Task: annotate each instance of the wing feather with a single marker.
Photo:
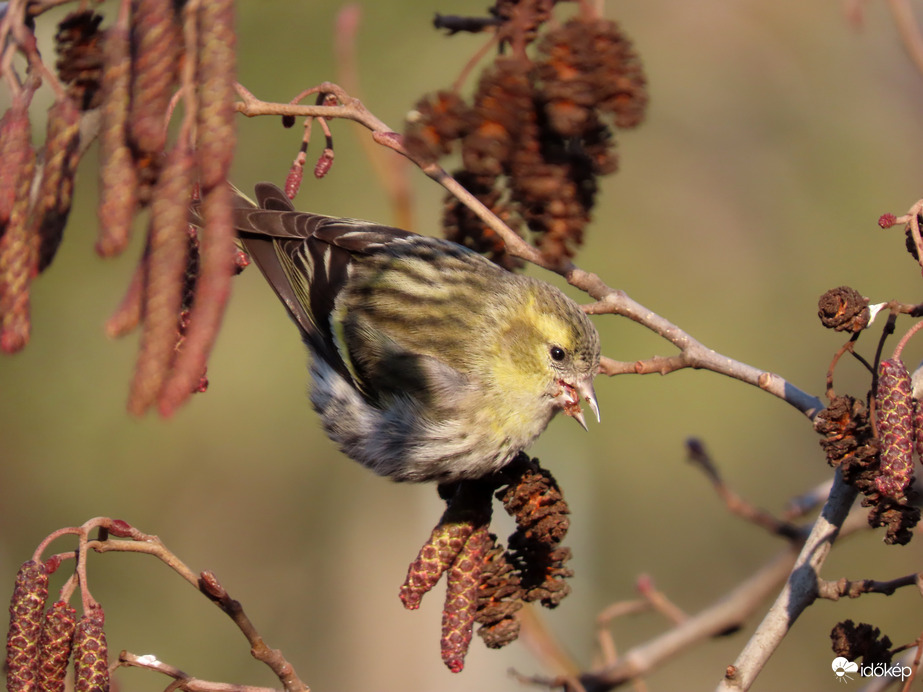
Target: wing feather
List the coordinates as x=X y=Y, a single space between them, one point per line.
x=307 y=260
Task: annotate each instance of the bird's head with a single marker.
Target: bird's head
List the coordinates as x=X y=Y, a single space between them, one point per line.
x=552 y=354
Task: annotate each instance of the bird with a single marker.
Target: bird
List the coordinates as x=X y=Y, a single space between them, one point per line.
x=429 y=362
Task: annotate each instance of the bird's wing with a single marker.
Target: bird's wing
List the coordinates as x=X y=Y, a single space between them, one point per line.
x=307 y=259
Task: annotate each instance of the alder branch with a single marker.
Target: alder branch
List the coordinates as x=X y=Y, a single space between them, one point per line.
x=909 y=30
x=183 y=680
x=692 y=354
x=799 y=592
x=723 y=616
x=726 y=614
x=206 y=583
x=834 y=590
x=807 y=502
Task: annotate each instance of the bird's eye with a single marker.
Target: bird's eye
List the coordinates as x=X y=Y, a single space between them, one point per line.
x=557 y=353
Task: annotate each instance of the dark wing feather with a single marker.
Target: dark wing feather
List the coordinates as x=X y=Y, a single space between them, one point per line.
x=306 y=258
x=268 y=196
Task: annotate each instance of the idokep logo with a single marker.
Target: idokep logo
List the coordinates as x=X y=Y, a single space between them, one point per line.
x=842 y=669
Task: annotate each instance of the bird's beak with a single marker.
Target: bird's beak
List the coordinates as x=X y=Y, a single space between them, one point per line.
x=588 y=394
x=571 y=396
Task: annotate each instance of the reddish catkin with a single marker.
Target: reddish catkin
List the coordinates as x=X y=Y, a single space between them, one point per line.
x=15 y=144
x=127 y=316
x=118 y=175
x=165 y=255
x=893 y=399
x=29 y=595
x=461 y=601
x=324 y=163
x=295 y=176
x=918 y=427
x=157 y=40
x=216 y=74
x=54 y=646
x=19 y=244
x=445 y=543
x=217 y=267
x=91 y=655
x=60 y=157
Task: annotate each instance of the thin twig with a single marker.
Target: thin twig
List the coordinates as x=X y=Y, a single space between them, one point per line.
x=807 y=502
x=698 y=455
x=909 y=30
x=834 y=590
x=725 y=615
x=604 y=637
x=183 y=681
x=659 y=600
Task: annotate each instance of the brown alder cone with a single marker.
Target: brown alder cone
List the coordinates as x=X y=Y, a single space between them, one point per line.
x=29 y=595
x=54 y=647
x=501 y=117
x=436 y=123
x=535 y=501
x=862 y=640
x=118 y=175
x=843 y=309
x=78 y=43
x=589 y=64
x=499 y=597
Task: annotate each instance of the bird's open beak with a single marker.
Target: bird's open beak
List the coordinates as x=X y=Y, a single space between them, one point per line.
x=571 y=396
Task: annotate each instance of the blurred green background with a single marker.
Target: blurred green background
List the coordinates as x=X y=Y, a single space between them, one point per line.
x=777 y=134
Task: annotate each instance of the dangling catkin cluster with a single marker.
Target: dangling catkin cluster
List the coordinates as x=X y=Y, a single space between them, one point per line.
x=141 y=168
x=42 y=642
x=22 y=640
x=132 y=71
x=539 y=129
x=485 y=583
x=851 y=446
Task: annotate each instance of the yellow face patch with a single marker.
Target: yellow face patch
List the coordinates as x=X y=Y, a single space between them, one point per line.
x=550 y=326
x=521 y=363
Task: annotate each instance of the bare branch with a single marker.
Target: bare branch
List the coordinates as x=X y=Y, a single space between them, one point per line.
x=206 y=582
x=609 y=301
x=834 y=590
x=693 y=354
x=807 y=502
x=800 y=591
x=728 y=613
x=909 y=30
x=183 y=680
